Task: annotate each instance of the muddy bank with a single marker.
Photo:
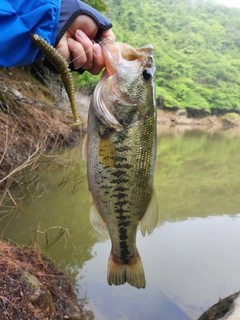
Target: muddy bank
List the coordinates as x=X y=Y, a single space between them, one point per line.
x=30 y=122
x=32 y=288
x=182 y=118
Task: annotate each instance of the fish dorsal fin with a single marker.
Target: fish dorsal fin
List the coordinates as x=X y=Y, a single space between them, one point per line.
x=149 y=221
x=96 y=220
x=85 y=148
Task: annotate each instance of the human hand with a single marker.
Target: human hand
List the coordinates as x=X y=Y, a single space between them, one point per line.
x=76 y=44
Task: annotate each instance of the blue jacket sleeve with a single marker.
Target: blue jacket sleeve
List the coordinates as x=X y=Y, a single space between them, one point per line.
x=18 y=20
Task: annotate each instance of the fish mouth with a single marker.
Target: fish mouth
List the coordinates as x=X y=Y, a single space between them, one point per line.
x=120 y=54
x=111 y=55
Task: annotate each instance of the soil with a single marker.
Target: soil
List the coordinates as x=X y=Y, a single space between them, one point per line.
x=30 y=123
x=32 y=288
x=166 y=117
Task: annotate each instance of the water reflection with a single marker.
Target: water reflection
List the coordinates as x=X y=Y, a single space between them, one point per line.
x=190 y=260
x=197 y=174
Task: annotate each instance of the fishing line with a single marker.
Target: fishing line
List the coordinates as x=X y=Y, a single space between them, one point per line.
x=82 y=54
x=87 y=50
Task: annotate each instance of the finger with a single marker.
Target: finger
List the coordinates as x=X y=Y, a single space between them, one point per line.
x=62 y=47
x=78 y=57
x=87 y=46
x=98 y=60
x=108 y=34
x=86 y=24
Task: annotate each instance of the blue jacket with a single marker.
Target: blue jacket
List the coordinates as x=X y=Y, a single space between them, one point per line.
x=18 y=20
x=48 y=18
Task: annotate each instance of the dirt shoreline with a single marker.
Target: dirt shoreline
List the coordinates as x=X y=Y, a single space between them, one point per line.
x=32 y=288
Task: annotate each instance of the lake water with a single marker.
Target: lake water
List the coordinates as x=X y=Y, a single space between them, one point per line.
x=191 y=259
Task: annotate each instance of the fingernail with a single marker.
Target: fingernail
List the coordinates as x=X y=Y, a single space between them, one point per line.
x=80 y=33
x=97 y=51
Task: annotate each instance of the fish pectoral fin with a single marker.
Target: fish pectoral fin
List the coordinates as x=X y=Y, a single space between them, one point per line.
x=85 y=148
x=120 y=273
x=96 y=220
x=149 y=220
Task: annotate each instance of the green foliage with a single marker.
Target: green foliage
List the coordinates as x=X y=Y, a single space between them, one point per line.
x=97 y=4
x=86 y=81
x=196 y=47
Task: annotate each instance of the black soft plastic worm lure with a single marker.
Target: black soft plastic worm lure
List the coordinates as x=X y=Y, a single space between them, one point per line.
x=61 y=66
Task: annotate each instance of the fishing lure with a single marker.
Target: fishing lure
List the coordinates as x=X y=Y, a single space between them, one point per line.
x=61 y=66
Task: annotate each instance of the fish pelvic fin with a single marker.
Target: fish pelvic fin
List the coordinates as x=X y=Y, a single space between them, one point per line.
x=85 y=148
x=96 y=220
x=149 y=220
x=120 y=273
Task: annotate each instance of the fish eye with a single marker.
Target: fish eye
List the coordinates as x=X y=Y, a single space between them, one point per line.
x=147 y=74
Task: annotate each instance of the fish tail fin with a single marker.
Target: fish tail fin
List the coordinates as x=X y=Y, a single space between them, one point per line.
x=120 y=273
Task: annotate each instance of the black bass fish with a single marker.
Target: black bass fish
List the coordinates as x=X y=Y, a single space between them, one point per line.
x=120 y=150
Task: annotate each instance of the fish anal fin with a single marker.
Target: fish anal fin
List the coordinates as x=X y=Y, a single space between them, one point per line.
x=96 y=220
x=85 y=148
x=106 y=151
x=149 y=220
x=120 y=273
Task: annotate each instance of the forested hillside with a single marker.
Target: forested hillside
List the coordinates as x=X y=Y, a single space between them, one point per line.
x=196 y=46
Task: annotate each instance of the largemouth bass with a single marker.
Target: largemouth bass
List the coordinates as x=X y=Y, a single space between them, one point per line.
x=120 y=150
